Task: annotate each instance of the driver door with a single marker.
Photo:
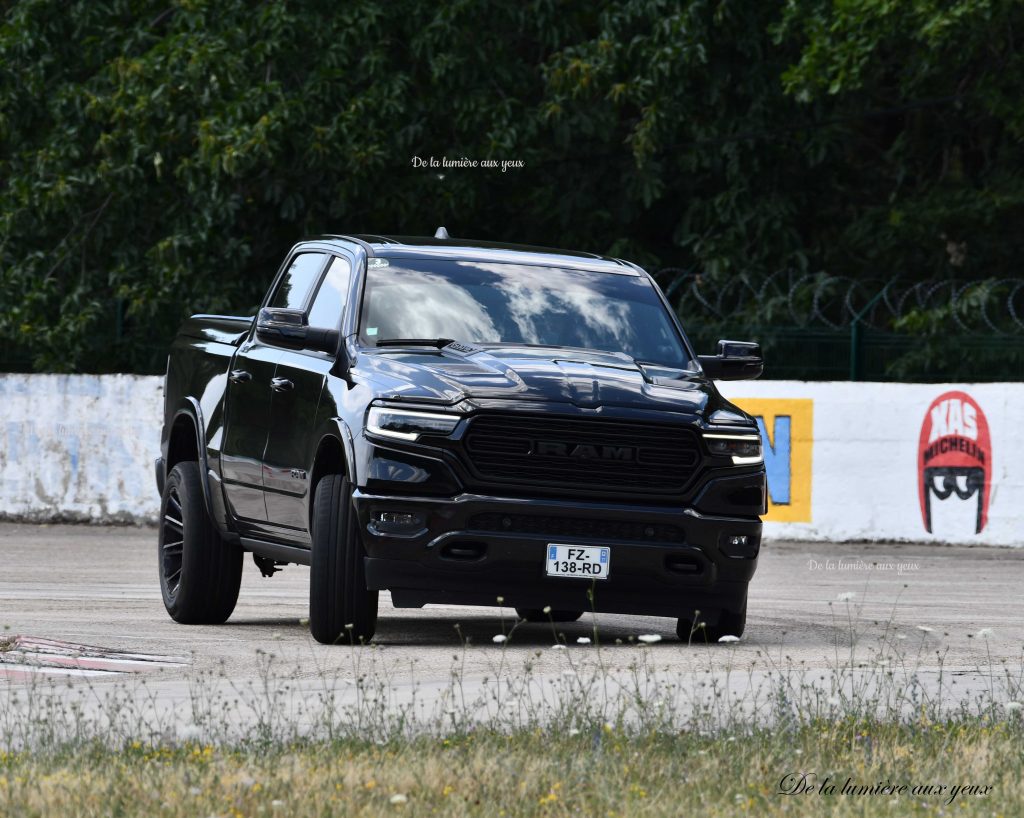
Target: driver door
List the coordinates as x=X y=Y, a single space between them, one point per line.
x=250 y=394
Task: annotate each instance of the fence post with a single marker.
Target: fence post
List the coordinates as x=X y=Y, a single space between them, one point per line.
x=855 y=334
x=855 y=349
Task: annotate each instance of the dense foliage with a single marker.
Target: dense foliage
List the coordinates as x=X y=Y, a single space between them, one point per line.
x=157 y=157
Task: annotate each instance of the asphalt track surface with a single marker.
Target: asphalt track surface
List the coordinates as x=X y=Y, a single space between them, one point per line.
x=97 y=586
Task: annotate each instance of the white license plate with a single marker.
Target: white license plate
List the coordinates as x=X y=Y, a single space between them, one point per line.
x=578 y=561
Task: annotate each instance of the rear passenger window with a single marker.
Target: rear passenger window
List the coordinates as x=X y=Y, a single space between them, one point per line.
x=332 y=296
x=299 y=279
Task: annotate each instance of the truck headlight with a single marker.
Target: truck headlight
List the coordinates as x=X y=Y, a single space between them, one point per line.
x=408 y=424
x=744 y=449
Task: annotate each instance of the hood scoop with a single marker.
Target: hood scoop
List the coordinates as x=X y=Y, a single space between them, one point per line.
x=460 y=369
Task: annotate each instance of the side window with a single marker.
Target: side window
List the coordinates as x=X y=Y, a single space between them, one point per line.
x=299 y=279
x=333 y=294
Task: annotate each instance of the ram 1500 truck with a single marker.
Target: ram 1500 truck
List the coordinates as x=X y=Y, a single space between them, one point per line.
x=459 y=422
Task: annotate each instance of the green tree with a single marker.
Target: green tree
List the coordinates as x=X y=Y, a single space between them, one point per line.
x=158 y=157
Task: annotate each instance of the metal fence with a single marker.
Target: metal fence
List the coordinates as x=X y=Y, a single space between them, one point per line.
x=810 y=326
x=822 y=327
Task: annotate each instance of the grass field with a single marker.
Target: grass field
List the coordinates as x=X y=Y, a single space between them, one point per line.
x=595 y=772
x=865 y=738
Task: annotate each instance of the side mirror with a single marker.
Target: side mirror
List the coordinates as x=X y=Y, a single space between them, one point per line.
x=290 y=328
x=735 y=361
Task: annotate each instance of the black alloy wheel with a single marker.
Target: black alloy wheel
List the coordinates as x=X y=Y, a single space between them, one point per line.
x=200 y=572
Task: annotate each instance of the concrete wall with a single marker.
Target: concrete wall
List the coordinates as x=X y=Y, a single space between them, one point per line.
x=79 y=447
x=845 y=460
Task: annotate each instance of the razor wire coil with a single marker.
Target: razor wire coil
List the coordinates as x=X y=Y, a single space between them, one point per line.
x=821 y=300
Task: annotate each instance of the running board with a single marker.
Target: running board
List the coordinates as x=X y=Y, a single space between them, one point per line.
x=276 y=551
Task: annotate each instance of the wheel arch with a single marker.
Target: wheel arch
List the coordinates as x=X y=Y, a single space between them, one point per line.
x=186 y=441
x=332 y=457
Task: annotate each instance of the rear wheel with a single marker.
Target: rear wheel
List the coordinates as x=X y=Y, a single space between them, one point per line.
x=538 y=615
x=199 y=572
x=341 y=609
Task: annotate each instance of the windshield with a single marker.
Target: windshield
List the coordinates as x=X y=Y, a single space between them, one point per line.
x=501 y=303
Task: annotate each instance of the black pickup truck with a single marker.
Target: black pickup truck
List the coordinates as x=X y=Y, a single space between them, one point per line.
x=459 y=422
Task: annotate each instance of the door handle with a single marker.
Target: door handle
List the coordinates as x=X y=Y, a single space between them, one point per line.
x=239 y=376
x=281 y=385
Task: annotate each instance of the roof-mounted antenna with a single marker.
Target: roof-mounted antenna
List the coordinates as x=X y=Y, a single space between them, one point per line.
x=441 y=233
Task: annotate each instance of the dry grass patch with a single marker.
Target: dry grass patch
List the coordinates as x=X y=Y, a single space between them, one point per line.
x=597 y=771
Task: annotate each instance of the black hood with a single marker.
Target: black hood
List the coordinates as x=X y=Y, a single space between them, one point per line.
x=583 y=378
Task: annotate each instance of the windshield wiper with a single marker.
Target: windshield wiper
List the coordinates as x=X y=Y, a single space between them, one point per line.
x=415 y=342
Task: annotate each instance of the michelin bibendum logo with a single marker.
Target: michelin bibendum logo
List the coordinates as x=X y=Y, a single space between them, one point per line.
x=954 y=466
x=787 y=438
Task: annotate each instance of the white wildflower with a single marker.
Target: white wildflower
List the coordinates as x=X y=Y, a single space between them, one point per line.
x=846 y=596
x=984 y=633
x=1013 y=707
x=573 y=731
x=925 y=629
x=727 y=639
x=190 y=733
x=547 y=609
x=649 y=638
x=558 y=647
x=497 y=639
x=398 y=798
x=582 y=640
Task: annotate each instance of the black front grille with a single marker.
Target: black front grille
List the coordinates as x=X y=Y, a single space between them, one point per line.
x=582 y=453
x=590 y=529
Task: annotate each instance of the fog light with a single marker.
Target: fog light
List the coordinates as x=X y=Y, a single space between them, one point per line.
x=396 y=522
x=739 y=545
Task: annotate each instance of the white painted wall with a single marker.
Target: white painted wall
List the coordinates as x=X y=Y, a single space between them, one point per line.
x=864 y=453
x=843 y=463
x=79 y=447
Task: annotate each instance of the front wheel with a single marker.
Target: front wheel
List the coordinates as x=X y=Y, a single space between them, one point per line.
x=199 y=572
x=341 y=609
x=730 y=623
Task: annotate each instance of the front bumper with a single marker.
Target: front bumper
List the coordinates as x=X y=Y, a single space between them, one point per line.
x=472 y=549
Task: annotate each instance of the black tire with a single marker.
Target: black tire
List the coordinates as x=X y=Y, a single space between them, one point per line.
x=199 y=572
x=341 y=609
x=730 y=623
x=538 y=615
